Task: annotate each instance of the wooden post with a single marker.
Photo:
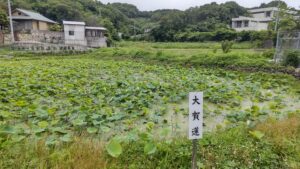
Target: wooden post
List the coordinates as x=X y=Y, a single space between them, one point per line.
x=194 y=155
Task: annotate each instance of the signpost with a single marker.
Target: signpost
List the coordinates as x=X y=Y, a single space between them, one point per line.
x=195 y=122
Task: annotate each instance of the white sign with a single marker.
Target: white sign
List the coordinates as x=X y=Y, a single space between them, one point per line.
x=195 y=115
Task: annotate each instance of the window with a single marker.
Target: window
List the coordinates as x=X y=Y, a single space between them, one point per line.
x=71 y=33
x=268 y=14
x=19 y=13
x=238 y=24
x=246 y=23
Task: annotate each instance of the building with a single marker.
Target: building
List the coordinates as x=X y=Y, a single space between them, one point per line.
x=77 y=33
x=31 y=28
x=25 y=20
x=259 y=20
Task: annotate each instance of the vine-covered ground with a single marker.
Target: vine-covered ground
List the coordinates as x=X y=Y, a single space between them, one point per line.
x=54 y=107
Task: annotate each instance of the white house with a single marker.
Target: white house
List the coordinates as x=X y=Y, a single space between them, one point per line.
x=259 y=20
x=77 y=33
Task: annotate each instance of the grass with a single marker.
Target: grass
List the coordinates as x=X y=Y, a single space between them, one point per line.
x=81 y=154
x=238 y=59
x=229 y=148
x=182 y=45
x=242 y=56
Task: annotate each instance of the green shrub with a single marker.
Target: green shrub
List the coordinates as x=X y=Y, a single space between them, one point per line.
x=159 y=53
x=258 y=43
x=261 y=35
x=292 y=58
x=268 y=53
x=194 y=36
x=215 y=50
x=55 y=27
x=222 y=34
x=244 y=36
x=141 y=54
x=226 y=46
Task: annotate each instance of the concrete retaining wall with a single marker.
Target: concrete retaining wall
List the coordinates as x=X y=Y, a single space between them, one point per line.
x=47 y=48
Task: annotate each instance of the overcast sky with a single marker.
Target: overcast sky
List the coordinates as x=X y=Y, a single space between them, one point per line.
x=185 y=4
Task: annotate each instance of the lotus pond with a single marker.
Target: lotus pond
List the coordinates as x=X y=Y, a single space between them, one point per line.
x=61 y=97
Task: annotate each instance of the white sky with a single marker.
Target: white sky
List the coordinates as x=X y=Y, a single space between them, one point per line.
x=185 y=4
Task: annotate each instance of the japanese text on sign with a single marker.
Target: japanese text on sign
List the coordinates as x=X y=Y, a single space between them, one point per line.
x=195 y=115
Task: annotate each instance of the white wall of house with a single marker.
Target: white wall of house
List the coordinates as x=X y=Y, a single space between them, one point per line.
x=75 y=35
x=259 y=20
x=258 y=15
x=249 y=25
x=266 y=14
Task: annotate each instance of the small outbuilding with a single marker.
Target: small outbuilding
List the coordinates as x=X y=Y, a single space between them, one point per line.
x=77 y=33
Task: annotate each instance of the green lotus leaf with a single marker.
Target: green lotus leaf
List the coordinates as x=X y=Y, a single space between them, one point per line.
x=149 y=148
x=114 y=148
x=66 y=138
x=92 y=130
x=43 y=124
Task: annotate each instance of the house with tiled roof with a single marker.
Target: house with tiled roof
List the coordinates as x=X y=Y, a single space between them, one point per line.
x=25 y=20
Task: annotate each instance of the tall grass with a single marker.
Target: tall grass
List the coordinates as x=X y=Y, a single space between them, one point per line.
x=82 y=154
x=237 y=59
x=226 y=148
x=182 y=45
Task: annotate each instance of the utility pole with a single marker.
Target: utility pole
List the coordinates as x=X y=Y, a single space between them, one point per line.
x=11 y=23
x=277 y=30
x=277 y=16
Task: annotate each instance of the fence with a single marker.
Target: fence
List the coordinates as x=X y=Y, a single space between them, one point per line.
x=286 y=41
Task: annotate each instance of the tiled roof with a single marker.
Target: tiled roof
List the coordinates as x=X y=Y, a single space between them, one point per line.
x=31 y=16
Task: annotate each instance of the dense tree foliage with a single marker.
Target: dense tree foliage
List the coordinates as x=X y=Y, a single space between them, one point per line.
x=207 y=22
x=273 y=4
x=206 y=18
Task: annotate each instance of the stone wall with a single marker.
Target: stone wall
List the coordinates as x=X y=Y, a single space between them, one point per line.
x=42 y=36
x=36 y=36
x=49 y=37
x=47 y=47
x=7 y=39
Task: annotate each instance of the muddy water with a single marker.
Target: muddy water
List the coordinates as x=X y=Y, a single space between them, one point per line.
x=215 y=115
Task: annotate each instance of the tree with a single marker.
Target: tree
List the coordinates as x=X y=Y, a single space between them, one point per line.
x=273 y=4
x=129 y=10
x=287 y=20
x=3 y=18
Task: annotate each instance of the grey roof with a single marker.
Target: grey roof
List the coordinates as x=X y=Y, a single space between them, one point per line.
x=31 y=16
x=95 y=28
x=263 y=9
x=73 y=23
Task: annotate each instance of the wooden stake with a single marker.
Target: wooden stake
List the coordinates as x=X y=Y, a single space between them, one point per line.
x=194 y=155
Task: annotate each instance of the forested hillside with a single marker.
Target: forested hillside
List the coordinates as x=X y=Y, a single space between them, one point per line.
x=161 y=25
